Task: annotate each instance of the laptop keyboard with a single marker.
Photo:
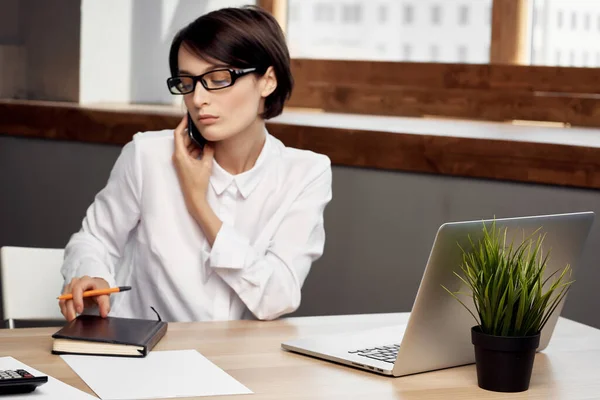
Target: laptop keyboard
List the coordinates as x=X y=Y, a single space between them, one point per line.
x=382 y=353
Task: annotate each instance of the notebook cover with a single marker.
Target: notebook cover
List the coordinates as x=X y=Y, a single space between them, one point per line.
x=127 y=331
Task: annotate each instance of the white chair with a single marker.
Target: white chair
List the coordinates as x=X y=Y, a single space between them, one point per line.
x=31 y=281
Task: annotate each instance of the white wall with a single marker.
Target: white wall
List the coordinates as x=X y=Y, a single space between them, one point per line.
x=105 y=64
x=125 y=45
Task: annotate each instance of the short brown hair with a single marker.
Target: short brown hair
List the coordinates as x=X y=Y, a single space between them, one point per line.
x=242 y=37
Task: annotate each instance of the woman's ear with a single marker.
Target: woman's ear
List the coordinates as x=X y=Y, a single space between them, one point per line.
x=268 y=82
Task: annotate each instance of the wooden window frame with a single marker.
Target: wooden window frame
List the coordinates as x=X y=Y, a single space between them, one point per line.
x=506 y=89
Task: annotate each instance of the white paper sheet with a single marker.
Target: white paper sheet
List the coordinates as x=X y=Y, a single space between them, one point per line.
x=161 y=374
x=51 y=390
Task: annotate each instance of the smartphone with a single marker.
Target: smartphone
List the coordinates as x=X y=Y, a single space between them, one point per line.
x=194 y=133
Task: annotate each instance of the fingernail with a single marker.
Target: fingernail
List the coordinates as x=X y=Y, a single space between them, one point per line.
x=79 y=310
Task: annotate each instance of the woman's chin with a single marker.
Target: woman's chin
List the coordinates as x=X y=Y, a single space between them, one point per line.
x=215 y=134
x=212 y=134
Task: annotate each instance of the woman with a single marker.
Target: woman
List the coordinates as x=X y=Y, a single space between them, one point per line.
x=225 y=232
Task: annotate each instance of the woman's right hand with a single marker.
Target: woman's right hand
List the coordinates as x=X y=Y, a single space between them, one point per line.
x=70 y=308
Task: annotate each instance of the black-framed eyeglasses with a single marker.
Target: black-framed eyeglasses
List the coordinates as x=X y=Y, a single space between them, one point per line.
x=211 y=80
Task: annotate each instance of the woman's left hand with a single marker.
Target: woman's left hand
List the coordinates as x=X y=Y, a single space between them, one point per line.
x=193 y=173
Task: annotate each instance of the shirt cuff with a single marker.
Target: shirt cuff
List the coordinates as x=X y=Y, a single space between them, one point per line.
x=230 y=249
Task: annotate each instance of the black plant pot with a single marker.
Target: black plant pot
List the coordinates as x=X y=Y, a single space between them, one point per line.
x=504 y=363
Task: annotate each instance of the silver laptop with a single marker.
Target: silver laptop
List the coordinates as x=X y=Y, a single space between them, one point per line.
x=437 y=334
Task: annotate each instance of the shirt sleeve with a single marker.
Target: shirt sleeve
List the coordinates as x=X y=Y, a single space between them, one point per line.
x=115 y=212
x=269 y=282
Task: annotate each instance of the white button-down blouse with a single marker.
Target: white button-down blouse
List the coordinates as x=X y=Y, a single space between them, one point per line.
x=138 y=232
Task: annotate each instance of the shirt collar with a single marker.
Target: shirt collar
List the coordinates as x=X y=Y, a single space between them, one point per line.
x=247 y=181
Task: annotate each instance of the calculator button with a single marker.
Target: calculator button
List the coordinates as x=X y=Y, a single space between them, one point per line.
x=24 y=373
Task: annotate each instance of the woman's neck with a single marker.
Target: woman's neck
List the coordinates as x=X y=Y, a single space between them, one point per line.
x=239 y=153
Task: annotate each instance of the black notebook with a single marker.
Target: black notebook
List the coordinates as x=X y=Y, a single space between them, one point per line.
x=110 y=336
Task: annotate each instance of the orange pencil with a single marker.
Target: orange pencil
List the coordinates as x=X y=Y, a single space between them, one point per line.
x=97 y=292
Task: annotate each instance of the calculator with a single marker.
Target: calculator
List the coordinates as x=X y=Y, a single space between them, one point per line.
x=19 y=381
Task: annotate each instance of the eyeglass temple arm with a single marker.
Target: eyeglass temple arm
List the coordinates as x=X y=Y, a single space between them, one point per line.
x=244 y=71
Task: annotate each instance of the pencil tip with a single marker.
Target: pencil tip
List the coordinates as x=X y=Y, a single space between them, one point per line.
x=124 y=288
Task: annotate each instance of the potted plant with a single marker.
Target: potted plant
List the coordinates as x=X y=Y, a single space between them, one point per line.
x=513 y=301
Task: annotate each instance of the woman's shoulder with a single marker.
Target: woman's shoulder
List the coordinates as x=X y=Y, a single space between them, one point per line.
x=148 y=137
x=301 y=158
x=149 y=143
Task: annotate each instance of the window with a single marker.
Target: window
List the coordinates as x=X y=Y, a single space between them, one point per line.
x=559 y=19
x=383 y=11
x=462 y=54
x=436 y=15
x=408 y=14
x=350 y=43
x=327 y=34
x=434 y=52
x=294 y=13
x=569 y=37
x=324 y=12
x=406 y=52
x=587 y=22
x=351 y=13
x=463 y=15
